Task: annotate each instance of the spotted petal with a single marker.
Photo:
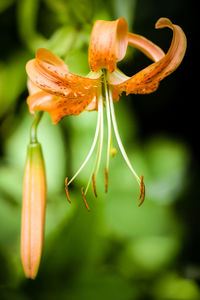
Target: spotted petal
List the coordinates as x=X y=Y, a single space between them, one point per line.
x=59 y=107
x=147 y=80
x=108 y=44
x=57 y=90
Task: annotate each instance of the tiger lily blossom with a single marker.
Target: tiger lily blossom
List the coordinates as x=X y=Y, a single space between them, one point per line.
x=61 y=93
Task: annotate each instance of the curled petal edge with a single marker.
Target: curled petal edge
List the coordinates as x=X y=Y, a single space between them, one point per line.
x=147 y=80
x=59 y=107
x=49 y=73
x=151 y=50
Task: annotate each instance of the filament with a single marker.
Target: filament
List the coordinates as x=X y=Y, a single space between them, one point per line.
x=101 y=136
x=100 y=143
x=92 y=147
x=121 y=147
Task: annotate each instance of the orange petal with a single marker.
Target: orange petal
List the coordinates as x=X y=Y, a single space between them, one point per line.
x=93 y=105
x=108 y=44
x=52 y=59
x=147 y=80
x=59 y=107
x=50 y=73
x=41 y=101
x=144 y=45
x=42 y=79
x=32 y=88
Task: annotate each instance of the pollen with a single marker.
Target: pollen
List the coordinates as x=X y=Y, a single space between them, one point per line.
x=66 y=190
x=106 y=179
x=84 y=199
x=94 y=185
x=142 y=191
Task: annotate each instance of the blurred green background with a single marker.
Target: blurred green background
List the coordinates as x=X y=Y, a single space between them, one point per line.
x=117 y=251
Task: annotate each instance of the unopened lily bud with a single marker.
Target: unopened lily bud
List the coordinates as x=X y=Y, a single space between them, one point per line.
x=33 y=210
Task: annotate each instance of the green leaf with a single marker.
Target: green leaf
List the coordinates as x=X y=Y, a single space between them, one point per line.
x=62 y=40
x=4 y=4
x=50 y=137
x=172 y=286
x=13 y=71
x=126 y=9
x=27 y=15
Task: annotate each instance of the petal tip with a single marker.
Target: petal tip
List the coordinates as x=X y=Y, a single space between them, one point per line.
x=41 y=52
x=163 y=22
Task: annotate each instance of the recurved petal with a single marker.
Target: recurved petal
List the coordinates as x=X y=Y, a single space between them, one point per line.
x=59 y=107
x=51 y=58
x=108 y=44
x=41 y=101
x=32 y=88
x=147 y=80
x=50 y=73
x=93 y=105
x=144 y=45
x=44 y=80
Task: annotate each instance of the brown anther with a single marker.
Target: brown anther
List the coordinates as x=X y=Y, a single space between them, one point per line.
x=142 y=191
x=94 y=185
x=106 y=179
x=66 y=190
x=84 y=199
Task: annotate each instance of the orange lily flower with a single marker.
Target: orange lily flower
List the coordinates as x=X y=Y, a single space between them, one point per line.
x=61 y=93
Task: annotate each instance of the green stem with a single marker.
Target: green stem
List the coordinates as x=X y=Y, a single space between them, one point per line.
x=33 y=131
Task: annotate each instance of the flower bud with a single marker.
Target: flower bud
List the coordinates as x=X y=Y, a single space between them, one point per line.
x=33 y=210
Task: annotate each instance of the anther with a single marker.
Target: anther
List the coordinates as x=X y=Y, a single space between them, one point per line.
x=84 y=199
x=106 y=179
x=66 y=190
x=142 y=191
x=94 y=185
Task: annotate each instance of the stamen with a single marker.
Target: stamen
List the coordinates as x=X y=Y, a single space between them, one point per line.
x=92 y=147
x=106 y=180
x=142 y=191
x=66 y=190
x=100 y=147
x=84 y=199
x=94 y=185
x=121 y=147
x=100 y=144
